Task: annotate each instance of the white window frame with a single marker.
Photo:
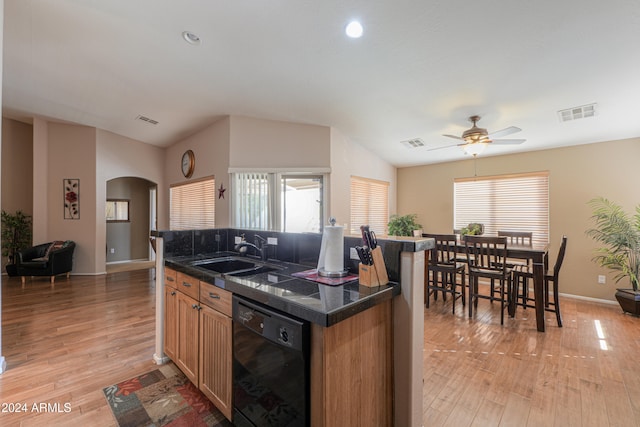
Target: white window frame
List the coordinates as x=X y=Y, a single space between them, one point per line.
x=274 y=223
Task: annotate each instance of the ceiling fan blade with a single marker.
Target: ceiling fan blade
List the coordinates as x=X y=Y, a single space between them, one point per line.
x=453 y=136
x=444 y=146
x=508 y=141
x=504 y=132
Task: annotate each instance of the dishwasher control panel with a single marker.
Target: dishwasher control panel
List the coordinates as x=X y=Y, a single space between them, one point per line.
x=270 y=324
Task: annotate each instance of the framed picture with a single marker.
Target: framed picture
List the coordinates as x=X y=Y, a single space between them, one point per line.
x=71 y=192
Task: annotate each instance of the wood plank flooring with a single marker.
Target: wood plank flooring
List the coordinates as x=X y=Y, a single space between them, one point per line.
x=478 y=373
x=65 y=344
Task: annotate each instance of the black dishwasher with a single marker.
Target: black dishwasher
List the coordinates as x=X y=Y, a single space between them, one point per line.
x=270 y=367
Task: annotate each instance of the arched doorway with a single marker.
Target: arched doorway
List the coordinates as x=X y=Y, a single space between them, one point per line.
x=127 y=232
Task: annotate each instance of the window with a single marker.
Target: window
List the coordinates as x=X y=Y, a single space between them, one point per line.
x=283 y=201
x=117 y=210
x=192 y=205
x=504 y=203
x=369 y=205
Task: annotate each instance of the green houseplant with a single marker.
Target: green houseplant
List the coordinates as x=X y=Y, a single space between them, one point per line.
x=16 y=235
x=403 y=225
x=619 y=233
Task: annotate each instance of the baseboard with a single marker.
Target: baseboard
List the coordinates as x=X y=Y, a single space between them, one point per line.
x=596 y=300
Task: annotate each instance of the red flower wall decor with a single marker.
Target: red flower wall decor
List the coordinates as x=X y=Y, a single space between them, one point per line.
x=71 y=198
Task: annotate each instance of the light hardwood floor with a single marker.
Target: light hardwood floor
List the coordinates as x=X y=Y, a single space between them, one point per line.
x=478 y=373
x=64 y=345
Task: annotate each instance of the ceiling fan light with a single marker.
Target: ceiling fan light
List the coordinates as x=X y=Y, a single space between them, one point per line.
x=475 y=148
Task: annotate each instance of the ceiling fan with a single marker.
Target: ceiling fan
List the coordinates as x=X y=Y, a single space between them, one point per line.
x=476 y=139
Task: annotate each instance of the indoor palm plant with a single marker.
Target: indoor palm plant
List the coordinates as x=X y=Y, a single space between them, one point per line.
x=619 y=233
x=403 y=225
x=16 y=235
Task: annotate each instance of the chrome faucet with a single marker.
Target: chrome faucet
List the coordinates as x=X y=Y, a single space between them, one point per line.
x=259 y=250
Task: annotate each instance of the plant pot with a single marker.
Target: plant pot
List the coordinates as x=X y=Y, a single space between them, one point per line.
x=629 y=301
x=12 y=270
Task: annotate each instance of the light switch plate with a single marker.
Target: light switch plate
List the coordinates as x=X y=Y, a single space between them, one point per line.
x=237 y=240
x=272 y=241
x=353 y=254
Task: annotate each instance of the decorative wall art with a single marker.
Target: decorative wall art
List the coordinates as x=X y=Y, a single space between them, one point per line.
x=71 y=198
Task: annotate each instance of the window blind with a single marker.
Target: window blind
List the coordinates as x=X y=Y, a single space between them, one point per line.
x=369 y=205
x=504 y=203
x=254 y=200
x=192 y=205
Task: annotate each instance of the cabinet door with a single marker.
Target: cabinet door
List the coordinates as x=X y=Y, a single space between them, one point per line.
x=216 y=358
x=188 y=319
x=170 y=322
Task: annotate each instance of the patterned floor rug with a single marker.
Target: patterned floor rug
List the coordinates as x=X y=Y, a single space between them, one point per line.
x=163 y=397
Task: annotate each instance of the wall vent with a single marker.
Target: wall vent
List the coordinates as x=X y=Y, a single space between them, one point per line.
x=576 y=113
x=413 y=143
x=147 y=119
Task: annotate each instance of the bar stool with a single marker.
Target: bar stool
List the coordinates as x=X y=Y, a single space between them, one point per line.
x=522 y=278
x=486 y=258
x=443 y=270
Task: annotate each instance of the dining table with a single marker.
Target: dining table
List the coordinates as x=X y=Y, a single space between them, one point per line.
x=534 y=254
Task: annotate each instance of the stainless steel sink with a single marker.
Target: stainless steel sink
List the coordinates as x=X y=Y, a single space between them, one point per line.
x=235 y=266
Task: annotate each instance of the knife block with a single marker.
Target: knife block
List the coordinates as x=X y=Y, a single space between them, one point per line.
x=376 y=274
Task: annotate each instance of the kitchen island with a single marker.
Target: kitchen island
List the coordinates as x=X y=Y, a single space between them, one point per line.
x=366 y=345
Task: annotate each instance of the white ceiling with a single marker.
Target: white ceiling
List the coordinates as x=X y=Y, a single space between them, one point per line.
x=421 y=68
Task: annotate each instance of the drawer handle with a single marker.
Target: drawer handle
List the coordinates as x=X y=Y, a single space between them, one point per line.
x=214 y=296
x=170 y=279
x=186 y=284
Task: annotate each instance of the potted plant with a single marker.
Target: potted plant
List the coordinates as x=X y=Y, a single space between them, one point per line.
x=473 y=229
x=619 y=232
x=403 y=225
x=16 y=235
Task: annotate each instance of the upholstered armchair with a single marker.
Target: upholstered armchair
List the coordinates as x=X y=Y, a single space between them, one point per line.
x=47 y=259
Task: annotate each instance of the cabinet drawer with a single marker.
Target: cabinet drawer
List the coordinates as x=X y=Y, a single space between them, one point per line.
x=170 y=277
x=216 y=298
x=188 y=285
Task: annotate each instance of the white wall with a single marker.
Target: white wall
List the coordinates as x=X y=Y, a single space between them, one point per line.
x=118 y=156
x=211 y=149
x=348 y=158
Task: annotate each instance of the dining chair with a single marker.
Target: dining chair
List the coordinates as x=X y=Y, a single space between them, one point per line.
x=519 y=238
x=486 y=259
x=444 y=273
x=521 y=278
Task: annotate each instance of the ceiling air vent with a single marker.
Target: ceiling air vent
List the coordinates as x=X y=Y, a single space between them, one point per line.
x=576 y=113
x=413 y=143
x=147 y=119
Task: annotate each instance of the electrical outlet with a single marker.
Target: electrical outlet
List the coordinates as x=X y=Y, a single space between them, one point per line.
x=217 y=238
x=237 y=240
x=602 y=279
x=272 y=241
x=353 y=254
x=112 y=250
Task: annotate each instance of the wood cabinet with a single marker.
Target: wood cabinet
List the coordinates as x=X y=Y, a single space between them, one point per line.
x=170 y=314
x=216 y=358
x=187 y=357
x=198 y=335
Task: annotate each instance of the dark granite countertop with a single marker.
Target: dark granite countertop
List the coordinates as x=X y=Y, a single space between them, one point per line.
x=322 y=304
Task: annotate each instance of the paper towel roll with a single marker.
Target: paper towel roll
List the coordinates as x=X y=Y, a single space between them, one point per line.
x=332 y=249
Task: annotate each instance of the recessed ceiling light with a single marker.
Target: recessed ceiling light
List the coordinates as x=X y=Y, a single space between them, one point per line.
x=354 y=29
x=190 y=37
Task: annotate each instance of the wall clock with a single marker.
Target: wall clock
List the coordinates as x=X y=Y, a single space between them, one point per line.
x=188 y=163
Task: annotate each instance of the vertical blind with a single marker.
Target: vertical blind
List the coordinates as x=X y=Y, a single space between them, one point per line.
x=254 y=200
x=192 y=205
x=504 y=203
x=369 y=205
